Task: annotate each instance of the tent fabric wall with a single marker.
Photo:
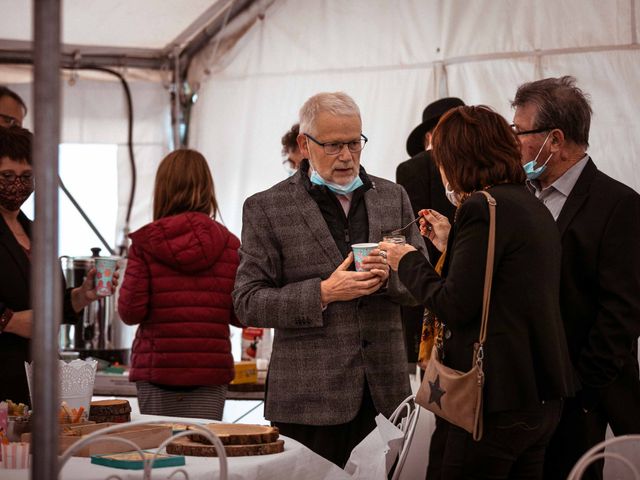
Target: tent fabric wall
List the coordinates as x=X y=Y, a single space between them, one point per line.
x=395 y=57
x=95 y=111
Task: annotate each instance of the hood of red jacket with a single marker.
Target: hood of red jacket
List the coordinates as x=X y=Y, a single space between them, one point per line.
x=188 y=242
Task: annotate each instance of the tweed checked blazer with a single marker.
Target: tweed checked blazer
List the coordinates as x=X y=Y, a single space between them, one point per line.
x=320 y=359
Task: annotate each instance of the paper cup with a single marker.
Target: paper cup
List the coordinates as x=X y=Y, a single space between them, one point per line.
x=361 y=250
x=395 y=238
x=105 y=266
x=15 y=455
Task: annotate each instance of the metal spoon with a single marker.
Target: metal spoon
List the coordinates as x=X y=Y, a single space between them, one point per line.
x=400 y=230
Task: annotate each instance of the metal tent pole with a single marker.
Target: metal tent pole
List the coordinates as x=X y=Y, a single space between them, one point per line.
x=46 y=294
x=176 y=103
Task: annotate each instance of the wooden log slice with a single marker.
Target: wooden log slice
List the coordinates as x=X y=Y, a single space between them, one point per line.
x=239 y=434
x=101 y=408
x=110 y=418
x=184 y=446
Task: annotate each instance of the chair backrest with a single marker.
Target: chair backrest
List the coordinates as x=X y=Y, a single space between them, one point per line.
x=610 y=450
x=405 y=417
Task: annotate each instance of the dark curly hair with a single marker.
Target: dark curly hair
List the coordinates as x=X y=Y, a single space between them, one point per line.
x=15 y=143
x=289 y=141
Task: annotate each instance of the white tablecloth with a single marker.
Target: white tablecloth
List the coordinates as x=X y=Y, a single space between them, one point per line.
x=296 y=462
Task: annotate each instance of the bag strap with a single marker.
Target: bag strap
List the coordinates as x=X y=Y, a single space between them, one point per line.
x=488 y=275
x=488 y=278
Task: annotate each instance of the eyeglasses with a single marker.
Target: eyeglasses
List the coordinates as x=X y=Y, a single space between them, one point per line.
x=8 y=121
x=8 y=176
x=529 y=132
x=334 y=148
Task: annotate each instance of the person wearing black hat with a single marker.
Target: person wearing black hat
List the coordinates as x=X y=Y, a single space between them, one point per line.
x=418 y=175
x=421 y=179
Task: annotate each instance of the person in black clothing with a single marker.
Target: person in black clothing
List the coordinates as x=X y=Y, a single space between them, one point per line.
x=599 y=223
x=526 y=361
x=420 y=178
x=16 y=316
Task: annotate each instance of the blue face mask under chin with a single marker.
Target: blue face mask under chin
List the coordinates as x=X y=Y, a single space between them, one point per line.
x=530 y=167
x=354 y=184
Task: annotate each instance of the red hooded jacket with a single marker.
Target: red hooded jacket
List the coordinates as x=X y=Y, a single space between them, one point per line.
x=177 y=286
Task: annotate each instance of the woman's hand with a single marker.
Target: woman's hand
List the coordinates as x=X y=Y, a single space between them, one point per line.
x=86 y=293
x=435 y=227
x=375 y=263
x=393 y=252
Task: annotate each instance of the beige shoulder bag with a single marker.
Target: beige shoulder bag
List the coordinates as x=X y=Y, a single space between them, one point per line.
x=453 y=395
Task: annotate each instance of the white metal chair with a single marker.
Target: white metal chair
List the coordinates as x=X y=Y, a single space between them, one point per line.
x=148 y=463
x=604 y=451
x=405 y=417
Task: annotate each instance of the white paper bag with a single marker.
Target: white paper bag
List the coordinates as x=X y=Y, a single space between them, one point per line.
x=374 y=456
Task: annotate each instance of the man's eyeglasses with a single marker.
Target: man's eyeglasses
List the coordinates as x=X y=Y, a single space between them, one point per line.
x=334 y=148
x=8 y=121
x=8 y=176
x=529 y=132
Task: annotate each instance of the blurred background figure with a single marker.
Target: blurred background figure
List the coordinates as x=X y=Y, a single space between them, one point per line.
x=12 y=108
x=177 y=287
x=420 y=178
x=291 y=155
x=419 y=175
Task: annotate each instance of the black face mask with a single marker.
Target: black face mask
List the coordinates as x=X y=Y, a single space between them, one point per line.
x=13 y=194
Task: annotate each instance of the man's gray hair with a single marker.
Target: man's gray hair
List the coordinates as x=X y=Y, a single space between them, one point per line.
x=560 y=104
x=335 y=103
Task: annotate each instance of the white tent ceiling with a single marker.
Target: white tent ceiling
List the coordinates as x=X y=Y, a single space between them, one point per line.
x=115 y=24
x=392 y=56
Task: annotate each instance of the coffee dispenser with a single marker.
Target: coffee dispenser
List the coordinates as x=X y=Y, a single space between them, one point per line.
x=99 y=333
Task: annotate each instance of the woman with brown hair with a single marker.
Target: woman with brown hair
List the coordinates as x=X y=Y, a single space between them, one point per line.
x=526 y=364
x=177 y=287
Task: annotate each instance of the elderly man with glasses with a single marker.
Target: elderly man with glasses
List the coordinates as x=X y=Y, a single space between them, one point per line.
x=599 y=222
x=12 y=108
x=338 y=354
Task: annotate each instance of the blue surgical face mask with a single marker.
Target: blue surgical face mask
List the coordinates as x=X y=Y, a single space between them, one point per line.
x=316 y=179
x=530 y=167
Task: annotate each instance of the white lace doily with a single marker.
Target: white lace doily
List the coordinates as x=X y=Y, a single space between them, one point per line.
x=76 y=381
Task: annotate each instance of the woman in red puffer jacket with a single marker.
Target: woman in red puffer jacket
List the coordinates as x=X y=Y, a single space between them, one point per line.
x=177 y=288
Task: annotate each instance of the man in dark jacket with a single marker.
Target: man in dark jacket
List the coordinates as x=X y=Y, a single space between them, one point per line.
x=599 y=222
x=421 y=179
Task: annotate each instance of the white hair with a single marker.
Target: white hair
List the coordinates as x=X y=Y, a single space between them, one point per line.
x=335 y=103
